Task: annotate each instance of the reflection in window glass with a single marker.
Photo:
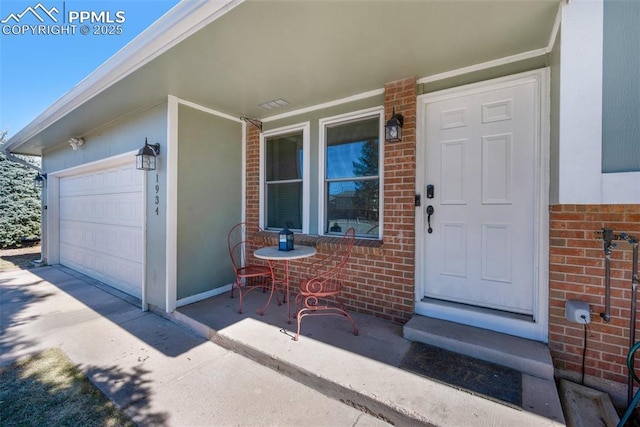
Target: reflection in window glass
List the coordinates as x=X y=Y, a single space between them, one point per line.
x=340 y=159
x=352 y=190
x=353 y=204
x=283 y=189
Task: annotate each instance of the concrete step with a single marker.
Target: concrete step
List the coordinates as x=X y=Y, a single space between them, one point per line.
x=586 y=407
x=377 y=388
x=529 y=357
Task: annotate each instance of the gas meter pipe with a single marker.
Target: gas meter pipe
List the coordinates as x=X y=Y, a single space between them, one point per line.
x=634 y=296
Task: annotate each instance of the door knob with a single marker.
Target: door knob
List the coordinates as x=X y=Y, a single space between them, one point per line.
x=430 y=212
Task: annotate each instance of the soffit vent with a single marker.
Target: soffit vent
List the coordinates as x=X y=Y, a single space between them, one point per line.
x=276 y=103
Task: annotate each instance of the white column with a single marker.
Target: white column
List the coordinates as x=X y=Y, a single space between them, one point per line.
x=580 y=146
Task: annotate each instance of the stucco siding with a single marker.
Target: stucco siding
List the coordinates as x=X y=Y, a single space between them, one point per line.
x=209 y=199
x=120 y=137
x=116 y=138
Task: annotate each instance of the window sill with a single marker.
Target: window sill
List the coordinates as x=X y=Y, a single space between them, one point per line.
x=322 y=241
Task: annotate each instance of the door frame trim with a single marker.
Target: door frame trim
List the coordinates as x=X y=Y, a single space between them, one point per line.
x=537 y=328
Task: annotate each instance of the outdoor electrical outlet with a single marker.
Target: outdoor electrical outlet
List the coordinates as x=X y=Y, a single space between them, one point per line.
x=577 y=312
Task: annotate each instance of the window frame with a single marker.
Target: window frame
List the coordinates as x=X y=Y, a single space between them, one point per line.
x=306 y=163
x=322 y=180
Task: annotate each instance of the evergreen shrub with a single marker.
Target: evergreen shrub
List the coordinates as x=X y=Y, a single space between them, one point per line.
x=20 y=207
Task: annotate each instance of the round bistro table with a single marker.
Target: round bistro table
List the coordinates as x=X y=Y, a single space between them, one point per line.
x=272 y=254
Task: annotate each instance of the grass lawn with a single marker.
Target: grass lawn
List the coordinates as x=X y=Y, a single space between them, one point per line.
x=47 y=389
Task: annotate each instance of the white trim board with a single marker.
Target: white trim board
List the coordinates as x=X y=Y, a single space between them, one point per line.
x=483 y=66
x=207 y=110
x=102 y=164
x=305 y=127
x=171 y=249
x=203 y=295
x=621 y=188
x=243 y=197
x=348 y=99
x=343 y=118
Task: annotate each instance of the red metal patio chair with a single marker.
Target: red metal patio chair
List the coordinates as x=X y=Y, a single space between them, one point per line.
x=323 y=282
x=248 y=276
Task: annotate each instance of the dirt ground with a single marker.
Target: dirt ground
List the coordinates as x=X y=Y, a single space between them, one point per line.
x=21 y=258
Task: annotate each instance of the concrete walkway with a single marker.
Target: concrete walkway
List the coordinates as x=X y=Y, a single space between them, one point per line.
x=159 y=372
x=166 y=372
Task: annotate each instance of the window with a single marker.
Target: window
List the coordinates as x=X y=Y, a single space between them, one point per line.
x=283 y=191
x=351 y=181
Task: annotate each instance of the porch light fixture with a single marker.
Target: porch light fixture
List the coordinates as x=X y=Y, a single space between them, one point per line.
x=146 y=157
x=285 y=240
x=39 y=180
x=393 y=129
x=76 y=142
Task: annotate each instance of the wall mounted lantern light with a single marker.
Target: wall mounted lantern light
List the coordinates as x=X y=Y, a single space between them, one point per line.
x=393 y=129
x=146 y=157
x=39 y=180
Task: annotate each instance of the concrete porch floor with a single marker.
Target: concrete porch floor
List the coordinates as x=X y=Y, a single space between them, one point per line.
x=363 y=371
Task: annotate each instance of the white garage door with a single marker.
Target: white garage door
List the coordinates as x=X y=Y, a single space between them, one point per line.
x=101 y=224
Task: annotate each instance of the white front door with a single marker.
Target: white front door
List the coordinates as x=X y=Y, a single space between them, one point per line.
x=479 y=231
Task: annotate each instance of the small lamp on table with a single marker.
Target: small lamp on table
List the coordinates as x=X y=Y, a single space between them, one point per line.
x=285 y=240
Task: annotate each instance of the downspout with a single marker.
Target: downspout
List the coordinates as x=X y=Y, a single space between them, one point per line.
x=15 y=159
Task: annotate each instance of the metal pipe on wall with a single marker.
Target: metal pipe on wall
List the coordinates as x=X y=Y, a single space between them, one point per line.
x=634 y=304
x=608 y=245
x=608 y=237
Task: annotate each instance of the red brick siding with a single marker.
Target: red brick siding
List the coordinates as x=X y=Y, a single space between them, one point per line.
x=382 y=274
x=576 y=272
x=253 y=175
x=391 y=289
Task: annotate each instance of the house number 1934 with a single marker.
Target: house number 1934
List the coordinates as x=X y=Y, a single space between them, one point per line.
x=157 y=199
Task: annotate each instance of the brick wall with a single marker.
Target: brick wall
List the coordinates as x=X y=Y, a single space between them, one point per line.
x=382 y=273
x=252 y=213
x=393 y=287
x=576 y=272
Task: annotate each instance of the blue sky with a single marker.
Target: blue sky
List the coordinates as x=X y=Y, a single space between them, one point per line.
x=37 y=69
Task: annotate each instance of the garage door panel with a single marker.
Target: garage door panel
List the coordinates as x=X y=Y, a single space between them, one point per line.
x=115 y=209
x=112 y=241
x=119 y=273
x=101 y=226
x=119 y=180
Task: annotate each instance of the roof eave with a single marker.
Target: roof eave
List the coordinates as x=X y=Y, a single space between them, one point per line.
x=183 y=20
